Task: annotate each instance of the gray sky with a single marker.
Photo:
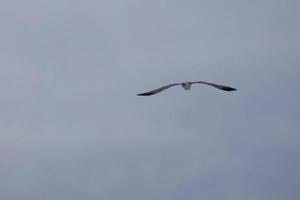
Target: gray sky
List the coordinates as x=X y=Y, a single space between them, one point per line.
x=71 y=126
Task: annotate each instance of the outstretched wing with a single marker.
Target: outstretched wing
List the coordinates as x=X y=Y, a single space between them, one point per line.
x=221 y=87
x=158 y=90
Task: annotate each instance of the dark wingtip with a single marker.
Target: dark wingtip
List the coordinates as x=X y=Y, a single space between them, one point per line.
x=229 y=89
x=225 y=88
x=145 y=94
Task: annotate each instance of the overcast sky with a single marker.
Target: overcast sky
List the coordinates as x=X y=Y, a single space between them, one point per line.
x=72 y=127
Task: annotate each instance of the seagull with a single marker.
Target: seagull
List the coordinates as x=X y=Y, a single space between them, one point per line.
x=187 y=86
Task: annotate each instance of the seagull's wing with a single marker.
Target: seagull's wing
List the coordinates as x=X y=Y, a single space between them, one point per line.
x=221 y=87
x=158 y=90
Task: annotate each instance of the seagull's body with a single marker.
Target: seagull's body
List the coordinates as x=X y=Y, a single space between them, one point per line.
x=187 y=86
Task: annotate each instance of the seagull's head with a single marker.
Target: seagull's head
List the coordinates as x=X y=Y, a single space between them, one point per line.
x=186 y=85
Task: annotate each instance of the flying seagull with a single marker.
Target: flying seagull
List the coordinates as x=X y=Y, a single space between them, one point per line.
x=187 y=86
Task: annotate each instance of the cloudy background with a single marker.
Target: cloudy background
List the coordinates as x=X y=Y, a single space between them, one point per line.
x=72 y=127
